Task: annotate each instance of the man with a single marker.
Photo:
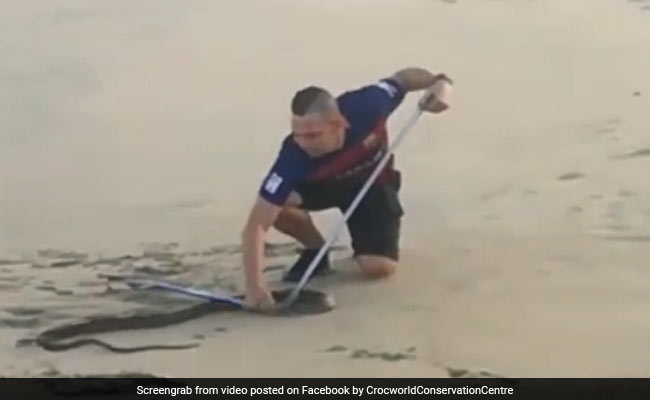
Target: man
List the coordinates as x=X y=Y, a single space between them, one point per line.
x=334 y=145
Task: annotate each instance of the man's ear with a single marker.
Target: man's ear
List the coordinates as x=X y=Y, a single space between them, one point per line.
x=342 y=121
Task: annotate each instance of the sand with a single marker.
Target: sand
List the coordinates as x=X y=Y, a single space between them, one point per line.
x=126 y=132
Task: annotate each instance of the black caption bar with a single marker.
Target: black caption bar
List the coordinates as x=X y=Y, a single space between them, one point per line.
x=166 y=388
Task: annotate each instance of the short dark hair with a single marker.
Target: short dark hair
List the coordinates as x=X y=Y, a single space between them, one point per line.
x=308 y=99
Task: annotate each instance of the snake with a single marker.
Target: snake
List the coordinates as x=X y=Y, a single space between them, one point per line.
x=309 y=302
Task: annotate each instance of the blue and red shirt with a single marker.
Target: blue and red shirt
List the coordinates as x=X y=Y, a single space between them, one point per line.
x=366 y=141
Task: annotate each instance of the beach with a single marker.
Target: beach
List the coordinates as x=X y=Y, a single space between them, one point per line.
x=134 y=136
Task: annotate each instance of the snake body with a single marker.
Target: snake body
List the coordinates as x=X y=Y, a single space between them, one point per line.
x=58 y=338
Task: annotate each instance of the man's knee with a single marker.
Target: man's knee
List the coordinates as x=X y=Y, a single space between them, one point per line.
x=376 y=267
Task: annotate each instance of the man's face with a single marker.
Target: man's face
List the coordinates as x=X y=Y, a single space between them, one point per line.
x=319 y=134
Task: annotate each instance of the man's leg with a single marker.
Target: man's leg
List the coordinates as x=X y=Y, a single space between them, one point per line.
x=376 y=267
x=376 y=249
x=298 y=224
x=375 y=230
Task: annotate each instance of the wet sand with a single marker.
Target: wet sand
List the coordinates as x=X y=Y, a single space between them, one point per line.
x=125 y=148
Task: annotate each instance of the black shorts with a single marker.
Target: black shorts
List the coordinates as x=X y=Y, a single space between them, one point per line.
x=374 y=226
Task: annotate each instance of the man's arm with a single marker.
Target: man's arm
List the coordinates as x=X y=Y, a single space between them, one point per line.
x=275 y=190
x=415 y=78
x=381 y=99
x=261 y=218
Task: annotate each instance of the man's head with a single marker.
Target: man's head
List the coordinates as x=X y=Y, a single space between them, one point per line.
x=317 y=124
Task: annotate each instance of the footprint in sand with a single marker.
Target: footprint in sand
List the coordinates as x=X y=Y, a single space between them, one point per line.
x=91 y=284
x=50 y=288
x=14 y=281
x=367 y=354
x=606 y=130
x=158 y=270
x=575 y=210
x=23 y=311
x=64 y=254
x=46 y=264
x=111 y=261
x=621 y=216
x=607 y=127
x=626 y=193
x=10 y=278
x=383 y=355
x=274 y=267
x=628 y=238
x=465 y=373
x=63 y=264
x=19 y=322
x=336 y=349
x=21 y=317
x=11 y=262
x=644 y=152
x=571 y=176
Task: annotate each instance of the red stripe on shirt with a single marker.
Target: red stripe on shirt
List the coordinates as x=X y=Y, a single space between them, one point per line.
x=354 y=155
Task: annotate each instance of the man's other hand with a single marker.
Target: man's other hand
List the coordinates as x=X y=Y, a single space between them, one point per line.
x=437 y=97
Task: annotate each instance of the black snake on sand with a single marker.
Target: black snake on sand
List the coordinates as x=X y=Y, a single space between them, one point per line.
x=56 y=339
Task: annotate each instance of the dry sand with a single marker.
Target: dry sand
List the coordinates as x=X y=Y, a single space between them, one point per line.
x=126 y=130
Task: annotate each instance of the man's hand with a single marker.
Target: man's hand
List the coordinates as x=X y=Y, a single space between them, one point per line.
x=259 y=298
x=437 y=97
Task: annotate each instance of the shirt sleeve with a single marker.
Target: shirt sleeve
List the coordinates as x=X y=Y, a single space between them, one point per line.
x=288 y=169
x=385 y=96
x=376 y=101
